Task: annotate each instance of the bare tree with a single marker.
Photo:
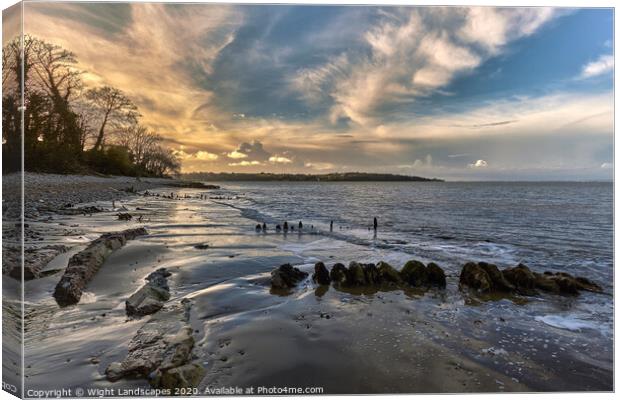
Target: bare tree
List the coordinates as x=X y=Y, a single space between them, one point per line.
x=114 y=108
x=140 y=142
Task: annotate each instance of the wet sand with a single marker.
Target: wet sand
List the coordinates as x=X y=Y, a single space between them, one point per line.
x=438 y=341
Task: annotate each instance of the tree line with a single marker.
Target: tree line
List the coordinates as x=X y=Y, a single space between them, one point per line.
x=68 y=127
x=332 y=177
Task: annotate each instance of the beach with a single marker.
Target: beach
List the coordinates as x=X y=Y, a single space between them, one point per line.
x=342 y=341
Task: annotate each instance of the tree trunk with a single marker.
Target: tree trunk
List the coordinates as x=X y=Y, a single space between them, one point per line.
x=99 y=141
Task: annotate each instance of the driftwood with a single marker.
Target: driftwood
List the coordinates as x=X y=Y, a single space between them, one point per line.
x=85 y=264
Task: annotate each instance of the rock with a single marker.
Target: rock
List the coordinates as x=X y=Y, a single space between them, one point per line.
x=522 y=278
x=542 y=282
x=35 y=260
x=436 y=275
x=565 y=284
x=388 y=274
x=371 y=273
x=338 y=274
x=85 y=264
x=498 y=281
x=586 y=284
x=414 y=273
x=68 y=209
x=286 y=277
x=151 y=297
x=321 y=275
x=474 y=277
x=356 y=276
x=161 y=351
x=186 y=376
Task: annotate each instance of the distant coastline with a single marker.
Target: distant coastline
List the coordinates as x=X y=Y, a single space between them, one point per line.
x=333 y=177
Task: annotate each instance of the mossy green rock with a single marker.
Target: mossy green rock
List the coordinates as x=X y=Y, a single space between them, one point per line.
x=474 y=277
x=356 y=276
x=498 y=281
x=436 y=276
x=371 y=274
x=414 y=273
x=522 y=278
x=338 y=274
x=321 y=275
x=388 y=274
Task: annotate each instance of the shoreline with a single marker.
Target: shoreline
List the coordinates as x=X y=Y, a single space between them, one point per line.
x=238 y=324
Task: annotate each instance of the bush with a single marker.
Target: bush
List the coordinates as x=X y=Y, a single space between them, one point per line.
x=113 y=160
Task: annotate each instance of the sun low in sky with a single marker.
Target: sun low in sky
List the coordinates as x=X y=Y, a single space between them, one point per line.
x=449 y=92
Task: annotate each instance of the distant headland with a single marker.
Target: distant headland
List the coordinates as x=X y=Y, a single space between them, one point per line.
x=333 y=177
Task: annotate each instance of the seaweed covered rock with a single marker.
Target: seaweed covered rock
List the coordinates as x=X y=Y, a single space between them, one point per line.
x=321 y=275
x=436 y=275
x=498 y=281
x=564 y=283
x=356 y=276
x=286 y=276
x=588 y=285
x=388 y=274
x=475 y=277
x=522 y=278
x=338 y=274
x=371 y=274
x=414 y=273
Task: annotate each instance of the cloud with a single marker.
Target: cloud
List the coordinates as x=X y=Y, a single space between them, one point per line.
x=409 y=54
x=253 y=151
x=489 y=124
x=154 y=53
x=479 y=164
x=206 y=156
x=279 y=160
x=603 y=65
x=236 y=154
x=245 y=163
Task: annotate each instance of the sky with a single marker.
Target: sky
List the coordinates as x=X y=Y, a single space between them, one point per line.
x=448 y=92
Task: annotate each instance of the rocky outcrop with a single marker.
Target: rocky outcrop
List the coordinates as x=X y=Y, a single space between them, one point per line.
x=85 y=264
x=377 y=277
x=151 y=297
x=475 y=277
x=286 y=277
x=321 y=275
x=388 y=274
x=436 y=275
x=415 y=273
x=35 y=260
x=484 y=278
x=161 y=352
x=522 y=279
x=338 y=274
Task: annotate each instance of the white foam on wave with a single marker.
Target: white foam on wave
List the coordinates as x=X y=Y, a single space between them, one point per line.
x=321 y=244
x=567 y=322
